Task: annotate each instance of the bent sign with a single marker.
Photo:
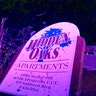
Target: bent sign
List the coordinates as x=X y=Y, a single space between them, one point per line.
x=44 y=65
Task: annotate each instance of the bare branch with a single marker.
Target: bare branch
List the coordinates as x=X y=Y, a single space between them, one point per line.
x=41 y=14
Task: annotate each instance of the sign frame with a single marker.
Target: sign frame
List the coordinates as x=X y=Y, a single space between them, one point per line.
x=76 y=79
x=74 y=57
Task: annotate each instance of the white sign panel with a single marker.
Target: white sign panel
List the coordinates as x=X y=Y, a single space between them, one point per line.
x=44 y=66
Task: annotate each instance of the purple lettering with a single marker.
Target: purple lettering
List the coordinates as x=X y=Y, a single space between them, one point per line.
x=57 y=40
x=47 y=54
x=32 y=44
x=34 y=53
x=55 y=52
x=41 y=54
x=51 y=40
x=64 y=37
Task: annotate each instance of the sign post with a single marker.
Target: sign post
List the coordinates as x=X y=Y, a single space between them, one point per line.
x=44 y=66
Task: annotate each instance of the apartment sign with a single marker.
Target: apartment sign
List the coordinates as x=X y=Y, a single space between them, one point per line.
x=44 y=66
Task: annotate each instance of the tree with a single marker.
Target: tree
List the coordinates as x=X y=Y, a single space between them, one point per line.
x=2 y=31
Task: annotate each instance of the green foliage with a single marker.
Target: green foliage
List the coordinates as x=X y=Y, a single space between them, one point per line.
x=8 y=4
x=29 y=6
x=80 y=12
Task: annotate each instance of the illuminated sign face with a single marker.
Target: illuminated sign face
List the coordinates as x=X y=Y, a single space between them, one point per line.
x=44 y=66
